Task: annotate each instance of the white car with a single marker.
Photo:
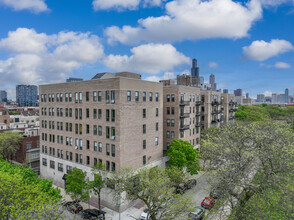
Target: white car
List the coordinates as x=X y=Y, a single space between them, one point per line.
x=144 y=214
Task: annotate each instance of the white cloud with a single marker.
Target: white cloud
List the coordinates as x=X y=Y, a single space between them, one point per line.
x=274 y=3
x=152 y=3
x=147 y=58
x=115 y=4
x=190 y=20
x=213 y=64
x=267 y=93
x=282 y=65
x=38 y=58
x=261 y=50
x=165 y=76
x=36 y=6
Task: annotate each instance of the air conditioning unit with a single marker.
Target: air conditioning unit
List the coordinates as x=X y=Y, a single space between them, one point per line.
x=76 y=147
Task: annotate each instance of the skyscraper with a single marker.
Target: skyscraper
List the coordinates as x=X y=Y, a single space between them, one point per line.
x=286 y=95
x=3 y=96
x=27 y=95
x=194 y=69
x=238 y=92
x=260 y=98
x=212 y=82
x=274 y=98
x=225 y=91
x=247 y=95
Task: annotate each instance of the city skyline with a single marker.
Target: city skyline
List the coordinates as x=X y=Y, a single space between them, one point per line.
x=48 y=42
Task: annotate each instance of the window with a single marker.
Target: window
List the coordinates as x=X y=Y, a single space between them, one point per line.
x=87 y=113
x=172 y=110
x=67 y=155
x=144 y=129
x=100 y=147
x=88 y=160
x=80 y=114
x=144 y=159
x=182 y=134
x=70 y=112
x=144 y=112
x=167 y=134
x=168 y=98
x=156 y=141
x=144 y=96
x=99 y=96
x=95 y=161
x=137 y=96
x=28 y=145
x=107 y=165
x=172 y=134
x=113 y=150
x=87 y=96
x=99 y=113
x=167 y=110
x=44 y=162
x=80 y=97
x=150 y=96
x=112 y=97
x=156 y=112
x=81 y=144
x=129 y=98
x=88 y=145
x=167 y=122
x=107 y=149
x=173 y=123
x=94 y=113
x=81 y=158
x=52 y=164
x=95 y=146
x=156 y=97
x=144 y=144
x=95 y=96
x=60 y=167
x=107 y=114
x=107 y=96
x=81 y=129
x=113 y=115
x=70 y=156
x=112 y=166
x=173 y=97
x=70 y=97
x=95 y=129
x=76 y=97
x=112 y=133
x=68 y=169
x=100 y=130
x=107 y=132
x=77 y=158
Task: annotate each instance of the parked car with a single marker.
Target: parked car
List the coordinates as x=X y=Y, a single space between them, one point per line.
x=198 y=213
x=144 y=214
x=71 y=202
x=93 y=214
x=190 y=183
x=75 y=208
x=180 y=189
x=208 y=202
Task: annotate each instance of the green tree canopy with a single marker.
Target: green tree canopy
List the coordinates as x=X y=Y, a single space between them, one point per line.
x=9 y=144
x=76 y=184
x=182 y=154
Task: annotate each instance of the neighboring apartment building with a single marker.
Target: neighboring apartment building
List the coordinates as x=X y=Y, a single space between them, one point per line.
x=4 y=116
x=27 y=95
x=116 y=121
x=181 y=114
x=29 y=151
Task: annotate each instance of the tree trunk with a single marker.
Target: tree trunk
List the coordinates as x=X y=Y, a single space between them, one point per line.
x=99 y=200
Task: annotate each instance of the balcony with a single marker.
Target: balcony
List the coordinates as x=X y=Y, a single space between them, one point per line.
x=213 y=121
x=184 y=127
x=183 y=103
x=197 y=124
x=198 y=113
x=215 y=102
x=184 y=115
x=198 y=103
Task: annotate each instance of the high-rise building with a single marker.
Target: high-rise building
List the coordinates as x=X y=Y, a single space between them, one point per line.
x=260 y=98
x=286 y=95
x=201 y=80
x=238 y=92
x=247 y=95
x=194 y=69
x=27 y=95
x=281 y=98
x=212 y=82
x=274 y=98
x=225 y=91
x=3 y=96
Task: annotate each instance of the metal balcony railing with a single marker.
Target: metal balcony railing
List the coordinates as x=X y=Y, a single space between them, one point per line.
x=184 y=115
x=184 y=127
x=184 y=103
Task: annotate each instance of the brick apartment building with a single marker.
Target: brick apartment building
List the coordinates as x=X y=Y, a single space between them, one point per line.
x=121 y=121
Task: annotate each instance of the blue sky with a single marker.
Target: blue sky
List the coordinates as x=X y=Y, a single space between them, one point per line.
x=246 y=44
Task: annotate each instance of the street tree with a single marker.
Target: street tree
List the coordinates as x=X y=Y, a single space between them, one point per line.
x=76 y=184
x=9 y=144
x=99 y=181
x=249 y=161
x=183 y=155
x=156 y=190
